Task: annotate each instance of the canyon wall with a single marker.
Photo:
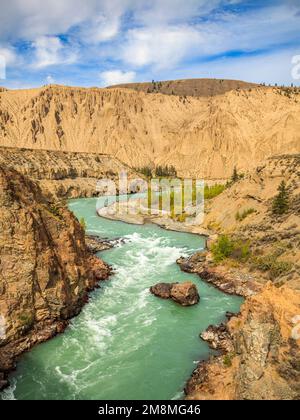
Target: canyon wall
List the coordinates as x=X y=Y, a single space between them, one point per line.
x=65 y=175
x=46 y=270
x=204 y=136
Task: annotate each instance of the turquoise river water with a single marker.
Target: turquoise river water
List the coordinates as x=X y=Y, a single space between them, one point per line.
x=126 y=343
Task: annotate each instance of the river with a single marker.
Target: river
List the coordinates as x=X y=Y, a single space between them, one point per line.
x=126 y=343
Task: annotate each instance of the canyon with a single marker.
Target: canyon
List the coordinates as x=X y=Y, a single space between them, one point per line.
x=203 y=136
x=57 y=142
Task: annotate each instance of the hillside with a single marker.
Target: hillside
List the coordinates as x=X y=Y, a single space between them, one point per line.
x=64 y=174
x=188 y=87
x=203 y=136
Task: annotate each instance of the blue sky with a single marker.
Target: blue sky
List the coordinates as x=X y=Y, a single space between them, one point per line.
x=104 y=42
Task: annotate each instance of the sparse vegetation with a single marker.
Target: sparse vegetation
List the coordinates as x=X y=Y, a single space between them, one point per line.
x=26 y=319
x=53 y=208
x=239 y=217
x=227 y=360
x=165 y=171
x=158 y=171
x=145 y=170
x=271 y=263
x=213 y=191
x=226 y=247
x=83 y=223
x=281 y=201
x=235 y=177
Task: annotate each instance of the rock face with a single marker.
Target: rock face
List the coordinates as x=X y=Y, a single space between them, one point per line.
x=263 y=361
x=46 y=270
x=186 y=294
x=65 y=174
x=218 y=338
x=203 y=136
x=230 y=280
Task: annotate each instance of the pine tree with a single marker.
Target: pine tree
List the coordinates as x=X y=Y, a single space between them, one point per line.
x=235 y=176
x=281 y=201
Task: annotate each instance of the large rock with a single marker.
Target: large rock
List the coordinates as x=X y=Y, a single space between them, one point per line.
x=186 y=294
x=162 y=290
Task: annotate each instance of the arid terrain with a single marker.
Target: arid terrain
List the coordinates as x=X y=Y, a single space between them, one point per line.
x=204 y=136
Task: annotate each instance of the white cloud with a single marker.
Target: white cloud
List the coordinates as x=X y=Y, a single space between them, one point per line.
x=115 y=77
x=139 y=35
x=51 y=51
x=162 y=47
x=50 y=80
x=269 y=68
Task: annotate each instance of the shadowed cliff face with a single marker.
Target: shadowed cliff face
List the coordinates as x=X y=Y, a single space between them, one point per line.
x=45 y=268
x=201 y=136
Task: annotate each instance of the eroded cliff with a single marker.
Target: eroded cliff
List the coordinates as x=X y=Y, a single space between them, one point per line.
x=46 y=270
x=65 y=174
x=264 y=361
x=201 y=136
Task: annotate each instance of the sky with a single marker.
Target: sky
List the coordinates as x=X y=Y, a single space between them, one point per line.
x=105 y=42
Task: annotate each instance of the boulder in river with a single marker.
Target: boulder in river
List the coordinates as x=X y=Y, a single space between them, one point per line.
x=186 y=294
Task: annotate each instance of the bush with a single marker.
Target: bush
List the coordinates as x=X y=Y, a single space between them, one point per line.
x=223 y=248
x=26 y=319
x=83 y=223
x=213 y=191
x=271 y=263
x=227 y=360
x=226 y=247
x=241 y=216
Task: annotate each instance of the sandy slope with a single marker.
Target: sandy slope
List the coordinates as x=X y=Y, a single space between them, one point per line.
x=203 y=136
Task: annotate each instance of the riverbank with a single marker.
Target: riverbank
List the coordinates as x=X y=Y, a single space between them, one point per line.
x=115 y=340
x=257 y=349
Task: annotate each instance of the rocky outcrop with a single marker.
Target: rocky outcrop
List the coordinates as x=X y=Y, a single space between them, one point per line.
x=203 y=136
x=234 y=281
x=263 y=359
x=186 y=294
x=96 y=244
x=218 y=338
x=46 y=270
x=65 y=175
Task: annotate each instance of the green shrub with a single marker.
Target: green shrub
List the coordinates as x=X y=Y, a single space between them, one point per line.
x=54 y=210
x=227 y=359
x=213 y=191
x=165 y=171
x=271 y=263
x=26 y=319
x=223 y=248
x=226 y=247
x=241 y=216
x=83 y=223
